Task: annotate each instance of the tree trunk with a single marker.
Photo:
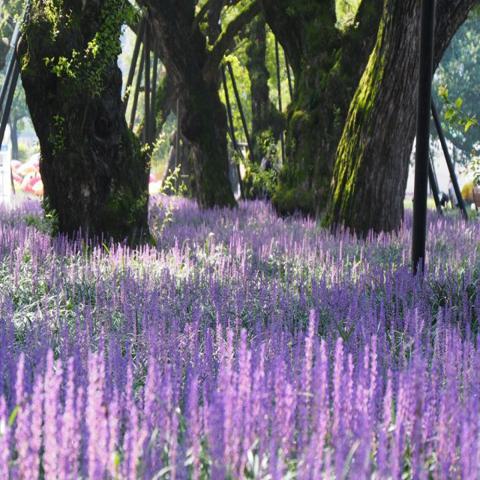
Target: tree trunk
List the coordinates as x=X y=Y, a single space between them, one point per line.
x=371 y=169
x=203 y=119
x=14 y=137
x=95 y=178
x=327 y=63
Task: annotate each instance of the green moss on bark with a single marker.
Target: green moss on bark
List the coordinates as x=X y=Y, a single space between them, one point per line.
x=95 y=177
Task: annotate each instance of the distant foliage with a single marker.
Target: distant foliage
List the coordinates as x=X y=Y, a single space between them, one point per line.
x=457 y=84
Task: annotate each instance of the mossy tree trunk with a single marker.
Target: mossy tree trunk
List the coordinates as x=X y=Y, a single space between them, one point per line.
x=372 y=162
x=327 y=60
x=193 y=65
x=95 y=178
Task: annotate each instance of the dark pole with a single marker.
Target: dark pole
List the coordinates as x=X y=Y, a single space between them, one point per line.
x=229 y=110
x=289 y=77
x=177 y=139
x=11 y=65
x=423 y=136
x=153 y=108
x=279 y=87
x=434 y=186
x=9 y=100
x=137 y=91
x=232 y=128
x=240 y=109
x=133 y=65
x=451 y=168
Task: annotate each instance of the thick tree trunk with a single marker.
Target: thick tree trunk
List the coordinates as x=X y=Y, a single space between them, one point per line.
x=95 y=178
x=371 y=169
x=203 y=119
x=327 y=65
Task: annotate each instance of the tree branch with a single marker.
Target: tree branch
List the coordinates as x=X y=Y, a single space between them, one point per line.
x=225 y=40
x=200 y=16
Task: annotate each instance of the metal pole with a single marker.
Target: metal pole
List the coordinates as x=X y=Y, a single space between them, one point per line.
x=240 y=109
x=423 y=136
x=434 y=186
x=451 y=168
x=133 y=65
x=279 y=87
x=137 y=91
x=232 y=128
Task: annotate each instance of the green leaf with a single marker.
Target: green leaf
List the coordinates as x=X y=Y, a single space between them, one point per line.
x=13 y=416
x=459 y=103
x=443 y=92
x=470 y=123
x=450 y=114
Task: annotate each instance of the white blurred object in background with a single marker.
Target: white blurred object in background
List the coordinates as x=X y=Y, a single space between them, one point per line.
x=6 y=190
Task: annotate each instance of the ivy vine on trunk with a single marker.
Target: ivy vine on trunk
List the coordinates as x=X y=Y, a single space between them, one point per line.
x=95 y=177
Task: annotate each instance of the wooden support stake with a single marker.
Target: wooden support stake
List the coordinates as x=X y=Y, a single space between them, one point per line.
x=240 y=109
x=9 y=98
x=434 y=186
x=448 y=159
x=279 y=87
x=11 y=66
x=137 y=91
x=147 y=120
x=231 y=129
x=153 y=108
x=133 y=64
x=289 y=76
x=177 y=139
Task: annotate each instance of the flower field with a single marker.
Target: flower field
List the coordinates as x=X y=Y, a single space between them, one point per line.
x=241 y=346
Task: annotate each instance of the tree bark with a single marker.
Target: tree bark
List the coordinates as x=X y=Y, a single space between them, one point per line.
x=327 y=63
x=95 y=178
x=373 y=155
x=203 y=122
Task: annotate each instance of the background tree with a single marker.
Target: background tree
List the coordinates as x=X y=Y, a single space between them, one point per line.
x=457 y=89
x=17 y=114
x=193 y=47
x=371 y=168
x=328 y=44
x=94 y=175
x=10 y=13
